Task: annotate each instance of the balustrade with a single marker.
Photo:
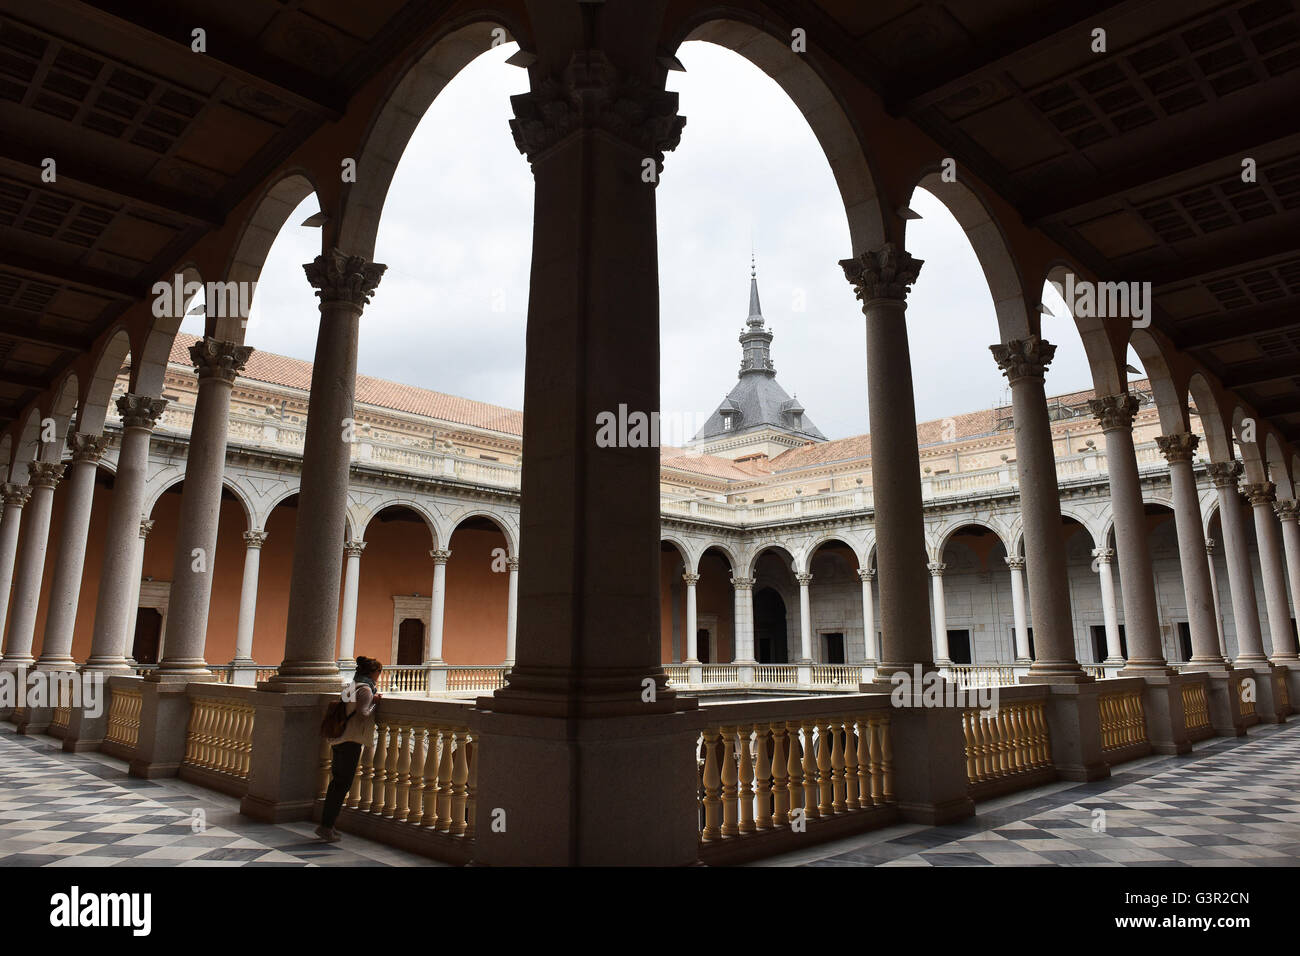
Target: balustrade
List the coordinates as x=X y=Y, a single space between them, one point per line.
x=1007 y=740
x=1123 y=722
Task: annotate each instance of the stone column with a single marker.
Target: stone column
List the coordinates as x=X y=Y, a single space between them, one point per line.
x=15 y=497
x=881 y=280
x=1024 y=362
x=137 y=583
x=217 y=364
x=1218 y=607
x=1109 y=612
x=351 y=585
x=692 y=637
x=42 y=478
x=119 y=580
x=1241 y=578
x=1137 y=579
x=1288 y=513
x=805 y=617
x=65 y=586
x=512 y=609
x=870 y=652
x=1263 y=496
x=941 y=654
x=253 y=541
x=1198 y=583
x=433 y=653
x=742 y=629
x=344 y=284
x=1023 y=653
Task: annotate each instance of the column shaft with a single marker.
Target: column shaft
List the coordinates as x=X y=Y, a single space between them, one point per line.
x=869 y=649
x=1198 y=586
x=351 y=587
x=253 y=541
x=742 y=637
x=1017 y=565
x=940 y=611
x=1263 y=495
x=512 y=610
x=805 y=617
x=1241 y=578
x=692 y=628
x=1218 y=606
x=15 y=498
x=1288 y=513
x=43 y=477
x=438 y=604
x=1109 y=611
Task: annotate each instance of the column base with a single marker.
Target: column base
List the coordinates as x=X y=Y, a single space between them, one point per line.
x=284 y=773
x=243 y=672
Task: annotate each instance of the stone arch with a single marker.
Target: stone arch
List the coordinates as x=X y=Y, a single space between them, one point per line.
x=1251 y=456
x=149 y=361
x=725 y=550
x=502 y=525
x=27 y=447
x=751 y=566
x=1106 y=366
x=405 y=104
x=269 y=506
x=365 y=519
x=1171 y=402
x=817 y=100
x=63 y=410
x=238 y=493
x=987 y=239
x=256 y=237
x=948 y=531
x=805 y=556
x=6 y=447
x=99 y=388
x=1275 y=465
x=1210 y=415
x=689 y=558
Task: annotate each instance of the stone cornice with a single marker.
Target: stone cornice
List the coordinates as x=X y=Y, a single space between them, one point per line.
x=340 y=278
x=592 y=94
x=886 y=273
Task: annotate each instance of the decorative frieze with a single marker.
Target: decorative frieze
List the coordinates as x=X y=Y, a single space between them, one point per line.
x=1224 y=474
x=45 y=474
x=341 y=278
x=140 y=411
x=592 y=94
x=1180 y=446
x=1023 y=358
x=89 y=448
x=886 y=273
x=1115 y=411
x=214 y=358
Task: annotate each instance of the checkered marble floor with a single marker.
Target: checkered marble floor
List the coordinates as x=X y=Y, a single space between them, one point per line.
x=60 y=809
x=1228 y=803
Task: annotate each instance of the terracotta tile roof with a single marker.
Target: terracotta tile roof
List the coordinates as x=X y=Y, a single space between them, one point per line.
x=710 y=465
x=296 y=373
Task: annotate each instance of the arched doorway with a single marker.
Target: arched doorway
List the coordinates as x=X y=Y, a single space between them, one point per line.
x=770 y=635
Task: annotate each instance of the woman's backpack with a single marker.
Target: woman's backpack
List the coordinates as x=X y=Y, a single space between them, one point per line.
x=336 y=719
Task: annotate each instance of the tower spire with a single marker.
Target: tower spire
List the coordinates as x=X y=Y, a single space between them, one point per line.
x=755 y=319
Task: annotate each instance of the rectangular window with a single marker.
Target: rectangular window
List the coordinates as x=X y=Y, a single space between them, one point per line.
x=834 y=648
x=959 y=646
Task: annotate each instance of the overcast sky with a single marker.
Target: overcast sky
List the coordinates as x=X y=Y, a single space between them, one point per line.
x=449 y=313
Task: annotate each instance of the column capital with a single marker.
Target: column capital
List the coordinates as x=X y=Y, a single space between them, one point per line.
x=214 y=358
x=1287 y=510
x=1179 y=446
x=937 y=568
x=440 y=555
x=691 y=579
x=340 y=278
x=45 y=474
x=1210 y=545
x=804 y=578
x=1103 y=555
x=255 y=539
x=140 y=411
x=512 y=563
x=866 y=574
x=1025 y=358
x=84 y=447
x=1261 y=492
x=1114 y=412
x=1015 y=563
x=353 y=547
x=15 y=495
x=742 y=584
x=1224 y=474
x=146 y=525
x=593 y=94
x=886 y=273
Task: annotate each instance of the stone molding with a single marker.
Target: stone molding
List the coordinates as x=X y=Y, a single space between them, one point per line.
x=592 y=94
x=214 y=358
x=1025 y=358
x=1180 y=446
x=140 y=411
x=340 y=278
x=886 y=273
x=1115 y=412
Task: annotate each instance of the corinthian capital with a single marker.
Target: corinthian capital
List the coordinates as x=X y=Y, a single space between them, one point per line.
x=1287 y=510
x=593 y=94
x=884 y=274
x=87 y=447
x=15 y=496
x=742 y=584
x=214 y=358
x=1023 y=358
x=255 y=539
x=45 y=474
x=1261 y=492
x=1180 y=446
x=140 y=411
x=1114 y=411
x=340 y=278
x=440 y=555
x=1224 y=474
